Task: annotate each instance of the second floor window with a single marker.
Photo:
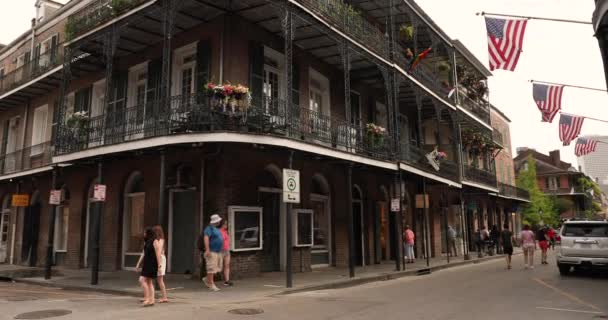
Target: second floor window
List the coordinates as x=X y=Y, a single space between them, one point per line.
x=39 y=129
x=552 y=183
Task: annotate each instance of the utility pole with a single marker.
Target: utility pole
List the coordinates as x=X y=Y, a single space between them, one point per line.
x=49 y=249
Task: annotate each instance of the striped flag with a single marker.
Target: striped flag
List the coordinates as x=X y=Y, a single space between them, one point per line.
x=584 y=146
x=548 y=99
x=569 y=128
x=505 y=42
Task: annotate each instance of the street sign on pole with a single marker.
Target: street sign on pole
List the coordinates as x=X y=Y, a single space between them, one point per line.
x=55 y=197
x=99 y=192
x=291 y=186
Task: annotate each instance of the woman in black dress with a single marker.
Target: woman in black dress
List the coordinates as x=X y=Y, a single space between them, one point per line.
x=149 y=271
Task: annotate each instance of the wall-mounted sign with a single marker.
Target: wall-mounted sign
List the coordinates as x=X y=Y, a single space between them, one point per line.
x=99 y=192
x=291 y=186
x=422 y=201
x=395 y=205
x=55 y=197
x=20 y=200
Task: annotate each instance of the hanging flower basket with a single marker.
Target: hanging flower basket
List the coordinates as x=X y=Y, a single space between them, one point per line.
x=375 y=134
x=228 y=98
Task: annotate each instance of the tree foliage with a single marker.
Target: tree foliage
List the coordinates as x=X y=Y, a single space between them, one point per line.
x=539 y=202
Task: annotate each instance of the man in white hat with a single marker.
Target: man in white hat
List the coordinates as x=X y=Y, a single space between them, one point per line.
x=214 y=243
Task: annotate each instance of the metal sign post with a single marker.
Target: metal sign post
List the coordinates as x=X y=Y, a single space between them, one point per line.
x=291 y=194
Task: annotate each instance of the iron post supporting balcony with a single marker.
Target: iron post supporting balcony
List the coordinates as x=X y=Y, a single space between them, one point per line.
x=346 y=65
x=162 y=199
x=351 y=228
x=464 y=227
x=110 y=41
x=396 y=111
x=388 y=86
x=65 y=84
x=288 y=235
x=288 y=36
x=51 y=234
x=170 y=8
x=96 y=227
x=397 y=193
x=419 y=114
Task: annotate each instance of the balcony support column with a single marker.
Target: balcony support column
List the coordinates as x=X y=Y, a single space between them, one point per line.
x=51 y=234
x=350 y=219
x=388 y=77
x=96 y=228
x=110 y=41
x=403 y=147
x=170 y=8
x=419 y=115
x=464 y=227
x=398 y=219
x=60 y=144
x=346 y=65
x=288 y=37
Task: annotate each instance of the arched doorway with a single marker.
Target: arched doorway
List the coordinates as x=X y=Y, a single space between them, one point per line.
x=273 y=218
x=88 y=234
x=62 y=216
x=5 y=223
x=133 y=220
x=358 y=226
x=320 y=199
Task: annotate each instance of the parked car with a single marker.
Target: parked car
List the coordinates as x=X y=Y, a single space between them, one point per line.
x=584 y=245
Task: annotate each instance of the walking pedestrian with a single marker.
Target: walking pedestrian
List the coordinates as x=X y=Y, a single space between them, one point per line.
x=551 y=235
x=159 y=241
x=214 y=243
x=151 y=266
x=541 y=236
x=409 y=237
x=484 y=235
x=494 y=239
x=506 y=238
x=226 y=253
x=452 y=242
x=528 y=245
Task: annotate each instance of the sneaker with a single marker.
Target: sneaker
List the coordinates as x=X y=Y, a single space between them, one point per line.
x=214 y=288
x=205 y=282
x=228 y=283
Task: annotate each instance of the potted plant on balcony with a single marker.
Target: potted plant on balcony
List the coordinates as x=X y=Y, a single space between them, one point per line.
x=375 y=134
x=228 y=98
x=406 y=32
x=78 y=124
x=435 y=157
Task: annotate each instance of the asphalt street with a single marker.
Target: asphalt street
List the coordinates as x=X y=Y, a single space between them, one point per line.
x=481 y=291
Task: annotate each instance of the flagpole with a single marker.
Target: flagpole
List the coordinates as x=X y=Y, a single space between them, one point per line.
x=532 y=18
x=590 y=118
x=568 y=85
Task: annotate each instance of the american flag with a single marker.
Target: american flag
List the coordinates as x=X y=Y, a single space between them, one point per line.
x=569 y=128
x=505 y=41
x=584 y=146
x=548 y=99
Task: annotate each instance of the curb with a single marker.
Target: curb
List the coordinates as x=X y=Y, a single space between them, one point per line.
x=340 y=284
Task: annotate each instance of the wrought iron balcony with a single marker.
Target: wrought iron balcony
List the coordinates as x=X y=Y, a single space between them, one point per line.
x=96 y=13
x=474 y=174
x=199 y=113
x=426 y=76
x=25 y=159
x=513 y=191
x=480 y=109
x=31 y=69
x=497 y=136
x=415 y=156
x=350 y=21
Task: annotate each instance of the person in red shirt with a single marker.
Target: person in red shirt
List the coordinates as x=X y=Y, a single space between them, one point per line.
x=551 y=235
x=409 y=238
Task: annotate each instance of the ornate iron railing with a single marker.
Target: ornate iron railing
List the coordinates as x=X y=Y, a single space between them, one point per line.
x=426 y=76
x=29 y=158
x=351 y=22
x=32 y=69
x=497 y=136
x=513 y=191
x=198 y=113
x=480 y=109
x=474 y=174
x=413 y=155
x=95 y=14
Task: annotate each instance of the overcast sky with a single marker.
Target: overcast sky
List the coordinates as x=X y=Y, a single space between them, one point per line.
x=555 y=52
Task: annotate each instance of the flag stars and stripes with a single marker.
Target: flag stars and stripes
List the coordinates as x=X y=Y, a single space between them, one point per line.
x=569 y=128
x=548 y=99
x=505 y=42
x=584 y=146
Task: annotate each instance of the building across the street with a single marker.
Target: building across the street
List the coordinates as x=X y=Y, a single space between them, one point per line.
x=117 y=115
x=557 y=178
x=595 y=164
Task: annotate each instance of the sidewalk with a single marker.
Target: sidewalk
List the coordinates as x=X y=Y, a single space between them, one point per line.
x=266 y=284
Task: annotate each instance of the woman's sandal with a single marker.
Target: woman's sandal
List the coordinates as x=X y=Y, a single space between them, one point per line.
x=146 y=304
x=163 y=301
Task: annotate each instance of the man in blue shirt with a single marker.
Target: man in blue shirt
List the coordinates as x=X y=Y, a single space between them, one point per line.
x=214 y=243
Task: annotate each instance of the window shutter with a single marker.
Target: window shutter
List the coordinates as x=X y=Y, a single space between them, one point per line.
x=83 y=99
x=256 y=72
x=54 y=48
x=153 y=87
x=203 y=64
x=7 y=124
x=36 y=65
x=295 y=82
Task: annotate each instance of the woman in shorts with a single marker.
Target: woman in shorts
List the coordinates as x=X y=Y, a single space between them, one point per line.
x=226 y=253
